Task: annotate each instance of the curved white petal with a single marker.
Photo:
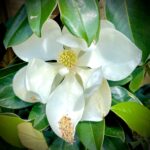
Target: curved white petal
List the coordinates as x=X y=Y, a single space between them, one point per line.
x=118 y=54
x=98 y=104
x=65 y=107
x=106 y=24
x=69 y=40
x=91 y=78
x=39 y=77
x=90 y=59
x=63 y=71
x=19 y=87
x=46 y=47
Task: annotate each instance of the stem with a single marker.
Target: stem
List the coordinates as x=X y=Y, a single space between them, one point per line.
x=102 y=9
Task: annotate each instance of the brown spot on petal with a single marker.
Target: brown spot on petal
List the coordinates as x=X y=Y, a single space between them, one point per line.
x=33 y=98
x=66 y=128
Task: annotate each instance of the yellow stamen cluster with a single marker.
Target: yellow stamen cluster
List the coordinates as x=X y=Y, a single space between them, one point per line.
x=66 y=128
x=68 y=58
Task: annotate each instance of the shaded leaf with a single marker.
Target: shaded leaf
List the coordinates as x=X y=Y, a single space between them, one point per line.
x=144 y=95
x=6 y=146
x=7 y=96
x=91 y=134
x=19 y=30
x=115 y=131
x=38 y=115
x=114 y=144
x=81 y=18
x=60 y=144
x=11 y=69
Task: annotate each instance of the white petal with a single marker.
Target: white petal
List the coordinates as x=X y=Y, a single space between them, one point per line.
x=39 y=77
x=20 y=89
x=66 y=101
x=69 y=40
x=46 y=47
x=106 y=24
x=98 y=104
x=91 y=78
x=90 y=59
x=119 y=56
x=63 y=71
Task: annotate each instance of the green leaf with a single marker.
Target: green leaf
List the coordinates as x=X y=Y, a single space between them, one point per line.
x=132 y=17
x=144 y=95
x=19 y=30
x=91 y=134
x=11 y=69
x=114 y=144
x=38 y=115
x=120 y=94
x=142 y=143
x=6 y=146
x=115 y=131
x=81 y=18
x=135 y=115
x=8 y=129
x=138 y=77
x=38 y=11
x=30 y=137
x=121 y=82
x=7 y=96
x=60 y=144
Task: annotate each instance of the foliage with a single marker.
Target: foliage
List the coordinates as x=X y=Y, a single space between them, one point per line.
x=128 y=122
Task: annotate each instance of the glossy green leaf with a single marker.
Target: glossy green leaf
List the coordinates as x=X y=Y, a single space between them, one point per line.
x=120 y=94
x=81 y=18
x=30 y=137
x=138 y=77
x=8 y=129
x=114 y=144
x=115 y=131
x=60 y=144
x=7 y=96
x=11 y=69
x=38 y=11
x=19 y=30
x=38 y=115
x=91 y=134
x=135 y=115
x=132 y=17
x=121 y=82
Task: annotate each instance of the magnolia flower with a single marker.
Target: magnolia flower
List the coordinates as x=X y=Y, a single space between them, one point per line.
x=83 y=93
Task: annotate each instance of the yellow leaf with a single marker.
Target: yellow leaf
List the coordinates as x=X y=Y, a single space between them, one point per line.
x=31 y=138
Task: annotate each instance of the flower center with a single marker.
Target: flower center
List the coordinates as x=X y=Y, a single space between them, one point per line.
x=68 y=58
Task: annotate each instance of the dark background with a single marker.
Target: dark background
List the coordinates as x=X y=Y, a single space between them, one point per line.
x=8 y=8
